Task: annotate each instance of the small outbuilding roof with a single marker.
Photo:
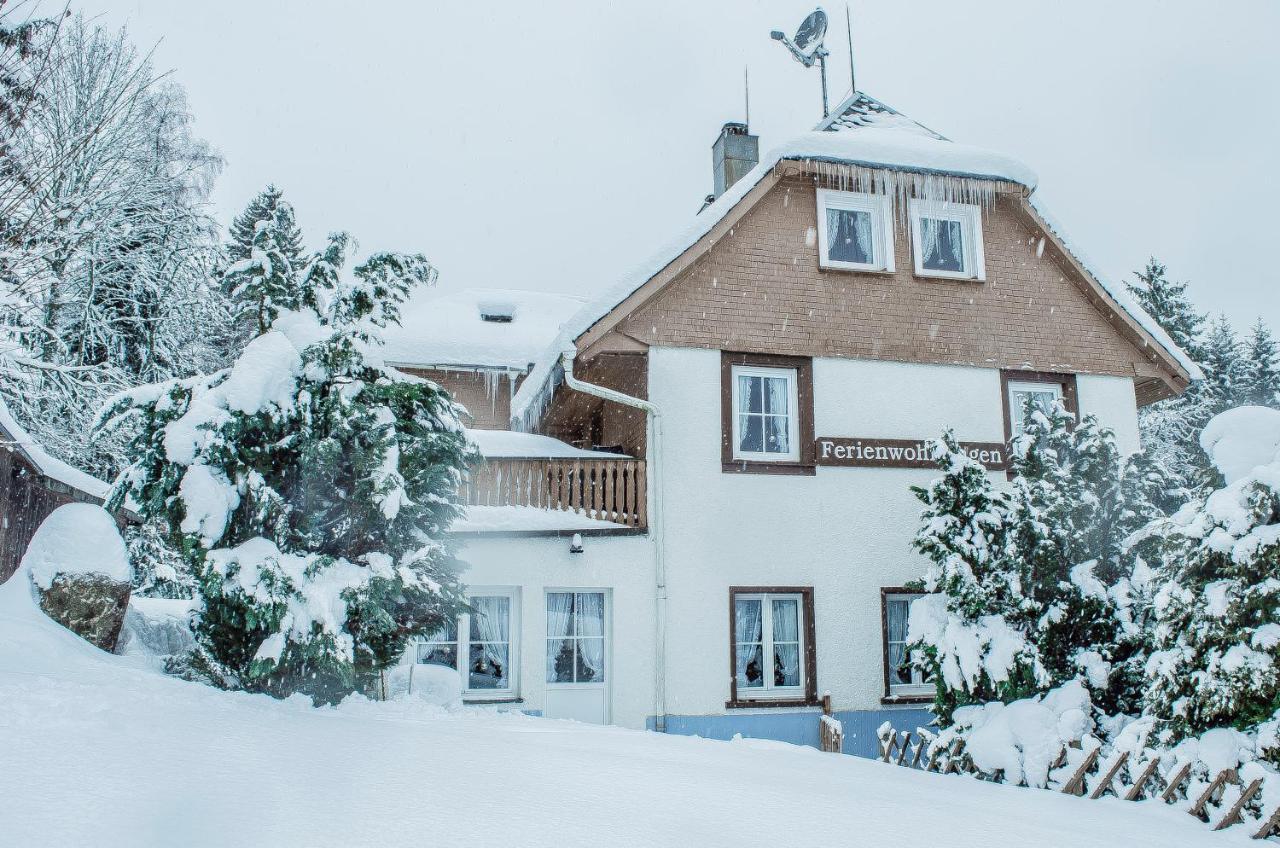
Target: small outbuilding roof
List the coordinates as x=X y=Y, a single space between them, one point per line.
x=489 y=328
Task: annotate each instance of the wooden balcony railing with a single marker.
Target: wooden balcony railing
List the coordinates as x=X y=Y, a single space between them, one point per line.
x=604 y=489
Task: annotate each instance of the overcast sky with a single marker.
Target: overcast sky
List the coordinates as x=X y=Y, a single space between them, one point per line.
x=550 y=145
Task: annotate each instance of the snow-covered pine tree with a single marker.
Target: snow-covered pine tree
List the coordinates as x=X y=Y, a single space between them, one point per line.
x=1168 y=304
x=1224 y=381
x=309 y=486
x=964 y=634
x=1261 y=368
x=265 y=262
x=1216 y=657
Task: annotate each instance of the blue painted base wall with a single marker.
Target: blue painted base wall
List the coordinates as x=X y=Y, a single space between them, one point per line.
x=799 y=727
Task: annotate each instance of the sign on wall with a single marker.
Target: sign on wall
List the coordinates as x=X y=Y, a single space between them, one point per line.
x=850 y=452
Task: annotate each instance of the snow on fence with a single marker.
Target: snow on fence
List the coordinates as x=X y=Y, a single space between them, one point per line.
x=1231 y=797
x=604 y=489
x=830 y=730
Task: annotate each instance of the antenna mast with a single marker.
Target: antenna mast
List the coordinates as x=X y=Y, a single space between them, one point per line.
x=848 y=29
x=746 y=95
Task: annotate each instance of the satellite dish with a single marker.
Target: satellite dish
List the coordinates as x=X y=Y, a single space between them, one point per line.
x=809 y=37
x=807 y=47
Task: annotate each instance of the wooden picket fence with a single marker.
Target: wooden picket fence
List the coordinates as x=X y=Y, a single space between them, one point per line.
x=605 y=489
x=1124 y=774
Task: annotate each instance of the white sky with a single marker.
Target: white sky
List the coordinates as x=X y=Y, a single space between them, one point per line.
x=550 y=145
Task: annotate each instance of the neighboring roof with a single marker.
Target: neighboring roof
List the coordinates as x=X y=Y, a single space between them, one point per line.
x=11 y=432
x=862 y=131
x=508 y=444
x=446 y=328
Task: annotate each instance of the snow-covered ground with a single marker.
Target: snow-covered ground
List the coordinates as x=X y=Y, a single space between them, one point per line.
x=99 y=750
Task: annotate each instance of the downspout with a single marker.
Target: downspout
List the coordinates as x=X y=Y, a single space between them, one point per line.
x=653 y=422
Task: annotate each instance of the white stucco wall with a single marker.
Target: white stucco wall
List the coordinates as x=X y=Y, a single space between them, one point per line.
x=844 y=531
x=622 y=566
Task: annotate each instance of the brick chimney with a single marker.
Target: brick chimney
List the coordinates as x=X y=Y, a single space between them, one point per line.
x=735 y=152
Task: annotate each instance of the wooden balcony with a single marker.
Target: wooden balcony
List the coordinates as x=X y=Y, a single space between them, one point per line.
x=611 y=490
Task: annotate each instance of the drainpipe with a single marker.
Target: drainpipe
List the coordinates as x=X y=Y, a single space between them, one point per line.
x=653 y=421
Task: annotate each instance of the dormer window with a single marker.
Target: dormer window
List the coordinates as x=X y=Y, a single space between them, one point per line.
x=497 y=313
x=855 y=231
x=946 y=240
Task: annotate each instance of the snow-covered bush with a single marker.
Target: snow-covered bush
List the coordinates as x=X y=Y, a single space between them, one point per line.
x=1024 y=739
x=1216 y=656
x=309 y=486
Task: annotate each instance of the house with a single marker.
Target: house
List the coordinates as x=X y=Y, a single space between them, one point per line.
x=700 y=521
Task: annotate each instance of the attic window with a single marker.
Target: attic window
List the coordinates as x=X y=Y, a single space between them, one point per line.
x=497 y=313
x=946 y=240
x=855 y=231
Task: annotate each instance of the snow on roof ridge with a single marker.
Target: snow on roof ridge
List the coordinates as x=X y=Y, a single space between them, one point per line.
x=49 y=465
x=859 y=109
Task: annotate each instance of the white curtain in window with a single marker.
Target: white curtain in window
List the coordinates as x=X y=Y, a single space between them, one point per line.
x=896 y=613
x=786 y=638
x=746 y=625
x=929 y=234
x=955 y=243
x=491 y=623
x=776 y=395
x=862 y=233
x=590 y=613
x=559 y=624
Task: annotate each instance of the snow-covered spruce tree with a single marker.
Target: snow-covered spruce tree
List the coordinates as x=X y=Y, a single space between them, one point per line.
x=309 y=487
x=1072 y=508
x=966 y=633
x=265 y=263
x=1261 y=368
x=1168 y=304
x=1170 y=427
x=1216 y=657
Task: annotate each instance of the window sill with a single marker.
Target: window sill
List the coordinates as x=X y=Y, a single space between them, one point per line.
x=890 y=700
x=947 y=278
x=749 y=467
x=769 y=704
x=479 y=700
x=873 y=272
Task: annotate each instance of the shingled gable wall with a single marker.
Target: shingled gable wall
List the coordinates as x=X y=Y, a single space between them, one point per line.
x=760 y=289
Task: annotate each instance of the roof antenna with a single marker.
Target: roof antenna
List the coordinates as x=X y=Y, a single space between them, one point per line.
x=807 y=47
x=746 y=95
x=848 y=28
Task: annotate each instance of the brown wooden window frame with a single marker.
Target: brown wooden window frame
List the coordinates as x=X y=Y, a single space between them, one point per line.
x=889 y=697
x=1070 y=397
x=803 y=366
x=810 y=697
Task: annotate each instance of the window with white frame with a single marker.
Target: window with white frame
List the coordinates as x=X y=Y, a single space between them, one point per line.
x=855 y=231
x=479 y=645
x=768 y=650
x=575 y=637
x=946 y=239
x=902 y=680
x=765 y=420
x=1026 y=396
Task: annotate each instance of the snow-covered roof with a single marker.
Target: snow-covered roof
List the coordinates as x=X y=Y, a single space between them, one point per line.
x=450 y=328
x=11 y=432
x=506 y=444
x=864 y=132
